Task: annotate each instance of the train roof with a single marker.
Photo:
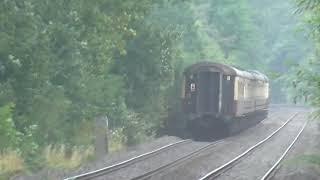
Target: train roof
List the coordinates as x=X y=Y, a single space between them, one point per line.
x=227 y=70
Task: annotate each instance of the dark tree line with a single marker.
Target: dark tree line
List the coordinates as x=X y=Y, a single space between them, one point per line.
x=63 y=63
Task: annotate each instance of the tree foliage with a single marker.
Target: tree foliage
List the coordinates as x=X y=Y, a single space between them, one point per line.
x=307 y=74
x=65 y=62
x=56 y=61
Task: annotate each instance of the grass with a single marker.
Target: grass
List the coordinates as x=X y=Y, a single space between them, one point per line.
x=58 y=157
x=55 y=157
x=10 y=163
x=305 y=159
x=116 y=140
x=311 y=158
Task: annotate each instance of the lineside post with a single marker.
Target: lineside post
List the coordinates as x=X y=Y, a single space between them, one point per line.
x=101 y=136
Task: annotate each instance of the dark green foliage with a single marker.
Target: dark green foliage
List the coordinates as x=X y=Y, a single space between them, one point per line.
x=65 y=62
x=307 y=75
x=8 y=133
x=305 y=5
x=55 y=68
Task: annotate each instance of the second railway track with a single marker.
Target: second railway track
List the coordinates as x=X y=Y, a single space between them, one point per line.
x=194 y=154
x=244 y=167
x=230 y=147
x=269 y=174
x=148 y=174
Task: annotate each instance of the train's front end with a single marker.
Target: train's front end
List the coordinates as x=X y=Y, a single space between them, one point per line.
x=202 y=95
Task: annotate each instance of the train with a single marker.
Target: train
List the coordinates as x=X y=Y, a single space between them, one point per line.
x=219 y=99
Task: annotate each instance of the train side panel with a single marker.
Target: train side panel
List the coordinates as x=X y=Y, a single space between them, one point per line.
x=250 y=96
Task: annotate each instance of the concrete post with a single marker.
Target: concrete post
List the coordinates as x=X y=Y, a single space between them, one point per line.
x=101 y=136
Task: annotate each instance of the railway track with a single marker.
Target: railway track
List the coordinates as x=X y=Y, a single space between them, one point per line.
x=107 y=170
x=117 y=166
x=199 y=152
x=194 y=154
x=177 y=162
x=270 y=173
x=227 y=166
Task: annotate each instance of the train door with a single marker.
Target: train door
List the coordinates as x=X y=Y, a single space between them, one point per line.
x=227 y=95
x=208 y=92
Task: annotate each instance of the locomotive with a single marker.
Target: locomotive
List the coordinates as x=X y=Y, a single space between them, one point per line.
x=220 y=100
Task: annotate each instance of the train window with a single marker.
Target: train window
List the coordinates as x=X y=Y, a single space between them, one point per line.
x=228 y=78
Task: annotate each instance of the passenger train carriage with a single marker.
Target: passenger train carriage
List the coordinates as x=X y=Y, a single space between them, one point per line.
x=216 y=95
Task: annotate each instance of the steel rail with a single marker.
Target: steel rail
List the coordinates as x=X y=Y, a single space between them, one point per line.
x=191 y=155
x=271 y=171
x=219 y=170
x=178 y=161
x=112 y=168
x=188 y=156
x=125 y=163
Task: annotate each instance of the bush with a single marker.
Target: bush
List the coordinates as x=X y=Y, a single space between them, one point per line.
x=136 y=129
x=117 y=139
x=8 y=133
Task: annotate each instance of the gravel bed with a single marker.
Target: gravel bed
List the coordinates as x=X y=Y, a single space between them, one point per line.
x=223 y=152
x=293 y=168
x=155 y=162
x=256 y=164
x=152 y=163
x=109 y=159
